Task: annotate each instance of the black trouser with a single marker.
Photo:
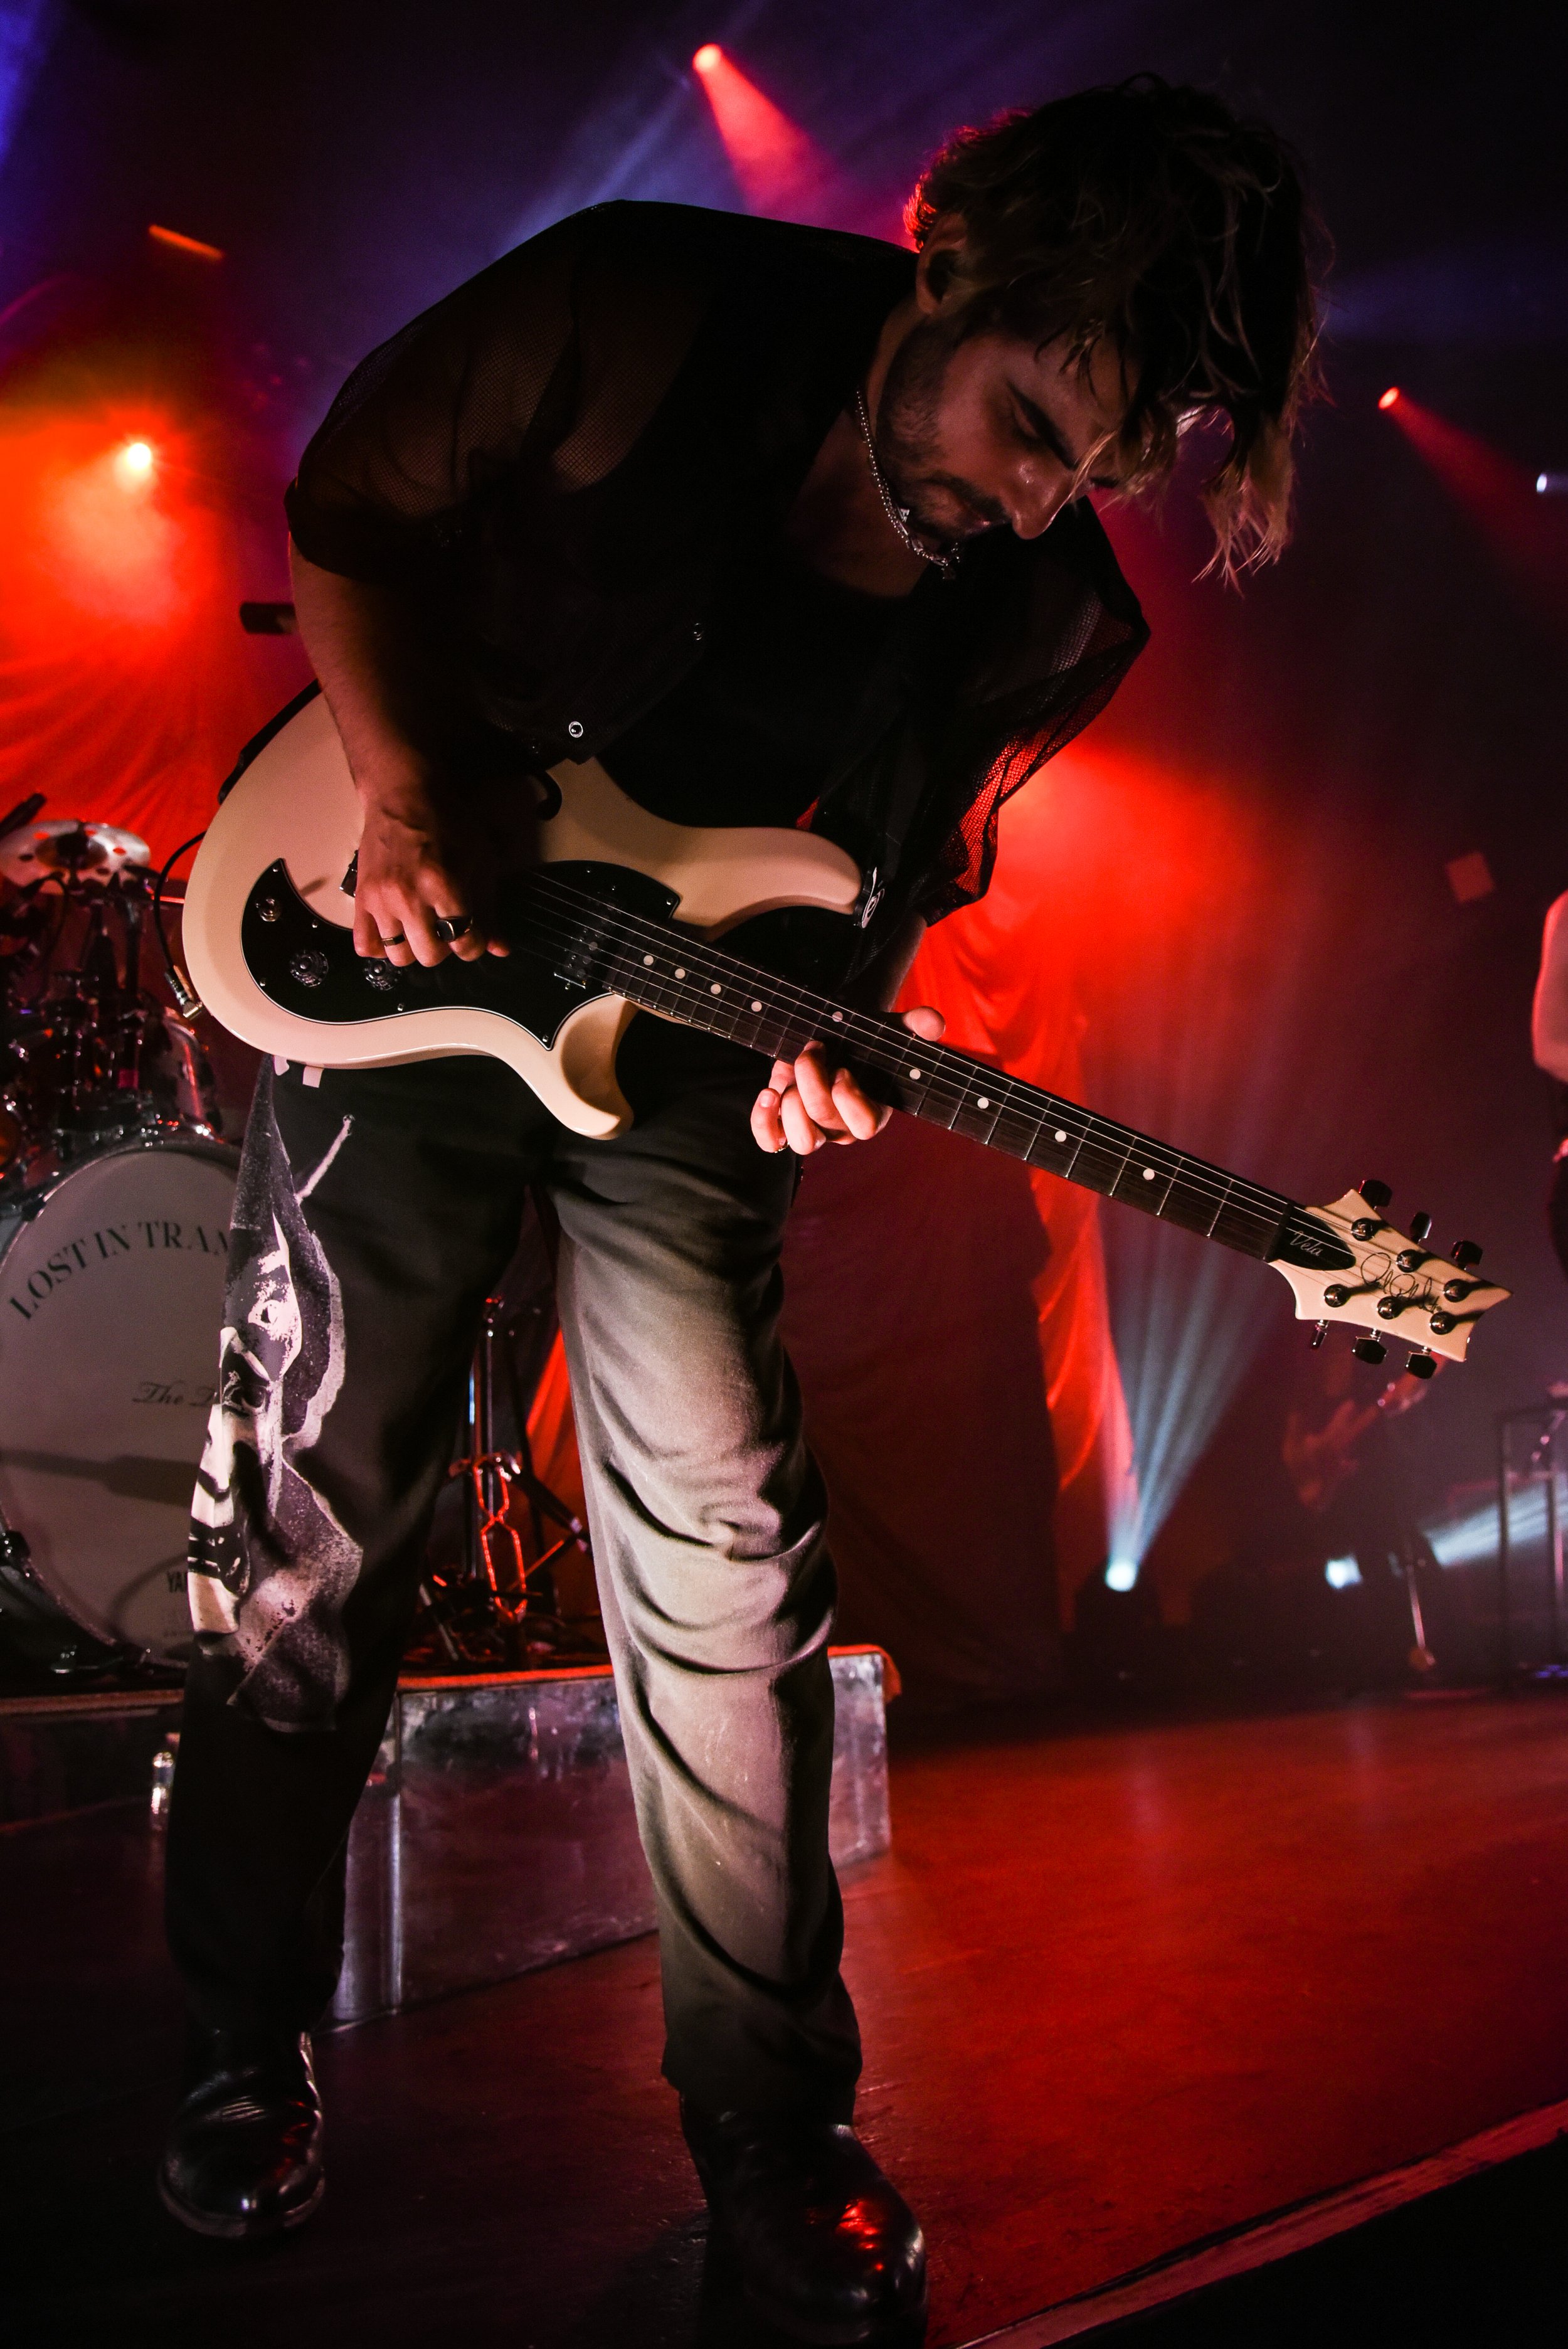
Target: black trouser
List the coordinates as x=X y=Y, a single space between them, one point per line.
x=374 y=1213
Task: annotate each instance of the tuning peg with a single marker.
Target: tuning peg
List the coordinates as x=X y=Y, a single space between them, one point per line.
x=1420 y=1226
x=1420 y=1364
x=1370 y=1349
x=1465 y=1253
x=1377 y=1194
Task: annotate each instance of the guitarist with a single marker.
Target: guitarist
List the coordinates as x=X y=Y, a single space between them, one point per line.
x=790 y=527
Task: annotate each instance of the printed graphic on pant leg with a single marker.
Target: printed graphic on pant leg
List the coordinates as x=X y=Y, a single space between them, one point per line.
x=271 y=1565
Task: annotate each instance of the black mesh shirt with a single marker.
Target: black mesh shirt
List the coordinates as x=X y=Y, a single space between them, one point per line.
x=561 y=463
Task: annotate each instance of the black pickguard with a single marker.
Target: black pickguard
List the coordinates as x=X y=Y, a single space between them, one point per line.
x=308 y=966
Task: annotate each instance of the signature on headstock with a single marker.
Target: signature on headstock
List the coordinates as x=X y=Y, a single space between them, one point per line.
x=1345 y=1263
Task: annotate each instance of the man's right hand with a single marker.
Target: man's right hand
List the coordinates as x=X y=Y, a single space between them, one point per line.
x=429 y=852
x=423 y=861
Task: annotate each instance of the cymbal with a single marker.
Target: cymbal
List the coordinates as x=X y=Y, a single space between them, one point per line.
x=92 y=851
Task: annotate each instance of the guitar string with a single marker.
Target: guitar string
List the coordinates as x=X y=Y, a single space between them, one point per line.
x=890 y=1046
x=881 y=1042
x=954 y=1082
x=952 y=1095
x=955 y=1076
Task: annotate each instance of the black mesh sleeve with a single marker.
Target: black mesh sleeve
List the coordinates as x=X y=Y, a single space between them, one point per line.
x=560 y=349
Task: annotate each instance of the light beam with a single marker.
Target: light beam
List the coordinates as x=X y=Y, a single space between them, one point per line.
x=780 y=171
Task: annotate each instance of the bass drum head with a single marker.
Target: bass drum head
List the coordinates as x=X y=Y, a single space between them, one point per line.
x=111 y=1298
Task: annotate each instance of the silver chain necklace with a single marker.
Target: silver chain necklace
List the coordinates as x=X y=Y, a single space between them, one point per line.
x=898 y=515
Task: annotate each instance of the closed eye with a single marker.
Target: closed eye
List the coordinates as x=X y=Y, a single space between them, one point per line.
x=1041 y=430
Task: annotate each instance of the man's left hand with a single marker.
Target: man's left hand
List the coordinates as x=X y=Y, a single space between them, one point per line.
x=808 y=1102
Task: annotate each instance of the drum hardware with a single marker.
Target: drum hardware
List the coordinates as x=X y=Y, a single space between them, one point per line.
x=37 y=1632
x=88 y=1056
x=188 y=1001
x=497 y=1605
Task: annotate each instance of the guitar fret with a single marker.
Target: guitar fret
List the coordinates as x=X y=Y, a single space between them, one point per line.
x=937 y=1084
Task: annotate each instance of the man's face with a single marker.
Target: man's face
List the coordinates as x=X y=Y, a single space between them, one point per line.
x=977 y=431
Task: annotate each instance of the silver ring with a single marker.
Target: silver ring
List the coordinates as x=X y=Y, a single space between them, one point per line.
x=398 y=941
x=454 y=926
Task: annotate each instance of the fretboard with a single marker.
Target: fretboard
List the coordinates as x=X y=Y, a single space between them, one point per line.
x=699 y=985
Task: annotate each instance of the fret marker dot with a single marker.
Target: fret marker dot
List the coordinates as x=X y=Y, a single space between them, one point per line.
x=648 y=962
x=915 y=1072
x=715 y=988
x=982 y=1102
x=1149 y=1174
x=1060 y=1135
x=679 y=973
x=838 y=1015
x=756 y=1006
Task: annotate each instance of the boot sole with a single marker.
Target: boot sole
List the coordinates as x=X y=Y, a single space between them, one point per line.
x=238 y=2230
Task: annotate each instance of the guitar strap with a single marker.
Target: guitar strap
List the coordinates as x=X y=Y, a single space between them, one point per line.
x=879 y=781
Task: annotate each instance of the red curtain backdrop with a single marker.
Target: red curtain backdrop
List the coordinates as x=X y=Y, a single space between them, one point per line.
x=126 y=683
x=946 y=1309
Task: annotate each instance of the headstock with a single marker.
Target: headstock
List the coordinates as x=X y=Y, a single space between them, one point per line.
x=1385 y=1281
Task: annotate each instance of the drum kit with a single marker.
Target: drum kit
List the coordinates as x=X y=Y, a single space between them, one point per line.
x=117 y=1189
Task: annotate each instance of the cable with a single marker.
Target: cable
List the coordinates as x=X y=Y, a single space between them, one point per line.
x=187 y=1002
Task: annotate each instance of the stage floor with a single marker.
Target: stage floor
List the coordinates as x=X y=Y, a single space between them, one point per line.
x=1121 y=1987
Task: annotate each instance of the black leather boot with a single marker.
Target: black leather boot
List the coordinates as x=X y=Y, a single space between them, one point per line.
x=244 y=2155
x=828 y=2250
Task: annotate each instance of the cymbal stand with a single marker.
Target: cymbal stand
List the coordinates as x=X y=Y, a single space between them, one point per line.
x=511 y=1594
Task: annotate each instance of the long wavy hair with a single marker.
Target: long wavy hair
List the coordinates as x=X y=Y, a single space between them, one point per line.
x=1152 y=217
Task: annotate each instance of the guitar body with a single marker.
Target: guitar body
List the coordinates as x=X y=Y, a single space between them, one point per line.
x=296 y=806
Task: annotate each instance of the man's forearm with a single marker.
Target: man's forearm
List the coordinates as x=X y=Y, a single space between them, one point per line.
x=1549 y=1017
x=364 y=646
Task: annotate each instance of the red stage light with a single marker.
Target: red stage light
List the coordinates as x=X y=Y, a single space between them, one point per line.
x=1389 y=397
x=175 y=237
x=1525 y=531
x=778 y=168
x=133 y=464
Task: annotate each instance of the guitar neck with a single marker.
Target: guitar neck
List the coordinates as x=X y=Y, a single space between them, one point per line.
x=700 y=985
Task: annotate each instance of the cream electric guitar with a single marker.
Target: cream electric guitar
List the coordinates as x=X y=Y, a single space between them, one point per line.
x=625 y=912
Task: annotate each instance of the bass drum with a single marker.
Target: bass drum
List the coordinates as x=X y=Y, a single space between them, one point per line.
x=112 y=1295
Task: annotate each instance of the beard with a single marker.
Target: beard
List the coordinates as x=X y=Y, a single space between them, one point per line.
x=942 y=508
